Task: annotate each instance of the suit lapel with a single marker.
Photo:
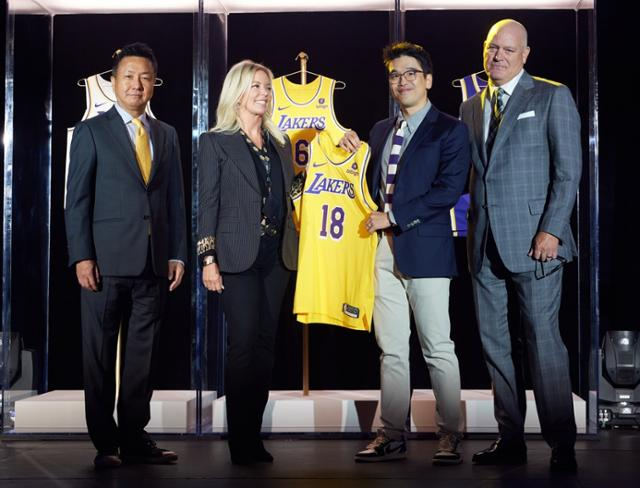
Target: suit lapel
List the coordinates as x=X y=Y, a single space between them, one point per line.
x=287 y=169
x=519 y=98
x=158 y=140
x=422 y=132
x=118 y=131
x=478 y=124
x=377 y=148
x=238 y=152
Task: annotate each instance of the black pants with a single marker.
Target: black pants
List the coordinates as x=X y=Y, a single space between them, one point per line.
x=251 y=301
x=138 y=303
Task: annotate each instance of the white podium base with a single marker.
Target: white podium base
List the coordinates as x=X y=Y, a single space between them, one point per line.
x=320 y=411
x=174 y=411
x=477 y=412
x=359 y=411
x=62 y=411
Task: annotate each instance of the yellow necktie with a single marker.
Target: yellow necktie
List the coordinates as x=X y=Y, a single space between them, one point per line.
x=143 y=149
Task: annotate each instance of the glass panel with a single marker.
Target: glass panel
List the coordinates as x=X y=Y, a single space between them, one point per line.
x=562 y=50
x=55 y=87
x=26 y=208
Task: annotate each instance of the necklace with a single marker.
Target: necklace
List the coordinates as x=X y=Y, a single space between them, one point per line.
x=263 y=155
x=261 y=152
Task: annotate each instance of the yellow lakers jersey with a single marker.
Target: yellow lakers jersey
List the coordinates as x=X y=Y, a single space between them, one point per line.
x=336 y=253
x=301 y=111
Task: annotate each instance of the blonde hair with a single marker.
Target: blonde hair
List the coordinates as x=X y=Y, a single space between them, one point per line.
x=236 y=84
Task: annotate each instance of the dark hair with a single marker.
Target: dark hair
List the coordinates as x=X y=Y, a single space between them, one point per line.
x=397 y=49
x=139 y=49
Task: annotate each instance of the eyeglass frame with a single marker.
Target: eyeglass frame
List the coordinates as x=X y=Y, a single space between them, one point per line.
x=539 y=275
x=397 y=75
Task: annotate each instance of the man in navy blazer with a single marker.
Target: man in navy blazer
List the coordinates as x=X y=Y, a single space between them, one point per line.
x=127 y=240
x=415 y=258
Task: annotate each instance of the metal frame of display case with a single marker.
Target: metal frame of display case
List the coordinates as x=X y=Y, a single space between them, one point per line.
x=207 y=318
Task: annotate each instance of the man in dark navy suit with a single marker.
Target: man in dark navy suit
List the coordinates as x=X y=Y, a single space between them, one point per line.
x=418 y=170
x=126 y=233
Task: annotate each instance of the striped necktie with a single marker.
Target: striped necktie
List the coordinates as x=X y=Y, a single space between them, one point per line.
x=143 y=149
x=497 y=109
x=392 y=167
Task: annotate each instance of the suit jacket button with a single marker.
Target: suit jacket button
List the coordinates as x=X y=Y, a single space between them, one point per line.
x=146 y=217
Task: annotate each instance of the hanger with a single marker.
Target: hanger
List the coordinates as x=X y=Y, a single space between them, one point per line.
x=340 y=85
x=304 y=57
x=83 y=81
x=458 y=81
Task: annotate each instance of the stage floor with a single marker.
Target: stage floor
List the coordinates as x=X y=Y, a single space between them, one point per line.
x=302 y=463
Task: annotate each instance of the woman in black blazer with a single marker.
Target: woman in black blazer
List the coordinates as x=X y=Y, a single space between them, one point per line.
x=247 y=243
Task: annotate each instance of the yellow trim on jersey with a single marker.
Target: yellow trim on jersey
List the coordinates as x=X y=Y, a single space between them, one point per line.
x=290 y=89
x=454 y=224
x=302 y=111
x=335 y=155
x=474 y=78
x=463 y=87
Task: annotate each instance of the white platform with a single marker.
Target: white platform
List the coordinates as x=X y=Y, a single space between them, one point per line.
x=477 y=412
x=359 y=411
x=62 y=411
x=320 y=411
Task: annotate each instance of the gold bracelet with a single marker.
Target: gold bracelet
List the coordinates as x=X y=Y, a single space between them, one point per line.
x=207 y=260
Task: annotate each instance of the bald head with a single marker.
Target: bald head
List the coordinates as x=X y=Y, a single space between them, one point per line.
x=509 y=25
x=505 y=51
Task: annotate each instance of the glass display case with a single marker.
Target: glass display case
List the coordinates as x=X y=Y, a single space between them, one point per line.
x=55 y=50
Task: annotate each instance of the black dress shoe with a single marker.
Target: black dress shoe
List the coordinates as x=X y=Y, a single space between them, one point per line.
x=261 y=455
x=502 y=452
x=106 y=460
x=563 y=460
x=241 y=459
x=256 y=455
x=146 y=452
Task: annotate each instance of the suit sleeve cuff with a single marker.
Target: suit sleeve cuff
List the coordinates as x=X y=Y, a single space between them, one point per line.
x=206 y=244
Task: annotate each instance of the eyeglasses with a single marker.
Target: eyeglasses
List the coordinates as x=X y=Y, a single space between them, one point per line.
x=409 y=75
x=543 y=272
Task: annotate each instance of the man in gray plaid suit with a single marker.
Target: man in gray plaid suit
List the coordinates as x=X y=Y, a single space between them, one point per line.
x=525 y=145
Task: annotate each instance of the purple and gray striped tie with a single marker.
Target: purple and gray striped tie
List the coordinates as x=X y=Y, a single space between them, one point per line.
x=394 y=157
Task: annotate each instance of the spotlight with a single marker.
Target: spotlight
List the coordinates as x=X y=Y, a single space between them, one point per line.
x=619 y=391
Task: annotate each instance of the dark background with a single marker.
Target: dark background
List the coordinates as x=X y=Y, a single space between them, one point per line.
x=83 y=44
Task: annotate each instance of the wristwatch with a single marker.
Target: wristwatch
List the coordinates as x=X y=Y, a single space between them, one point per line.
x=207 y=260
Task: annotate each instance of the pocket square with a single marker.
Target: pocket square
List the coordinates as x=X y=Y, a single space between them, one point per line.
x=526 y=115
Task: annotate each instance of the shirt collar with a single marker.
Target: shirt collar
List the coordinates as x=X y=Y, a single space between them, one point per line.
x=127 y=117
x=414 y=120
x=509 y=86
